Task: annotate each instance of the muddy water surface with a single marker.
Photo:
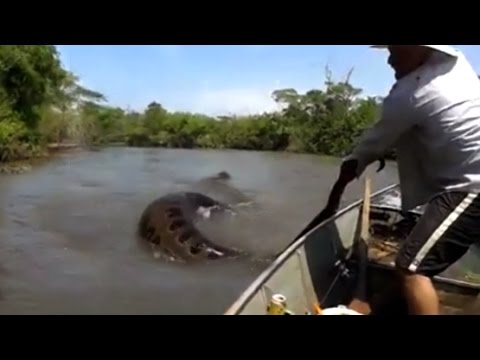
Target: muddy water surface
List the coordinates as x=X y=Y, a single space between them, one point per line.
x=67 y=242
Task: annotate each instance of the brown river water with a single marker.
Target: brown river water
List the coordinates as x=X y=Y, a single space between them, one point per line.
x=67 y=228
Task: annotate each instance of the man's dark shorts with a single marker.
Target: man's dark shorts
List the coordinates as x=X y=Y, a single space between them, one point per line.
x=448 y=227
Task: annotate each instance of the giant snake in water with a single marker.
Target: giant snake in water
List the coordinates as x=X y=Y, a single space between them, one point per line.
x=168 y=225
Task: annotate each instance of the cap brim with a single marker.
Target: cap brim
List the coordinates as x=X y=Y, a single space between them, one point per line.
x=442 y=48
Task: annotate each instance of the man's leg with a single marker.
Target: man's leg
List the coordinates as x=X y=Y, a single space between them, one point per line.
x=420 y=294
x=450 y=224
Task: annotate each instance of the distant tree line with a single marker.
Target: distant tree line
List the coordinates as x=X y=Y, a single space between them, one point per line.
x=42 y=103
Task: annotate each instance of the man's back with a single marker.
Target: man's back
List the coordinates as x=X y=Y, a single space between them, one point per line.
x=442 y=150
x=432 y=117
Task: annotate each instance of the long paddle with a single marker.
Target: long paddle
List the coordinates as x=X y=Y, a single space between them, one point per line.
x=330 y=209
x=333 y=203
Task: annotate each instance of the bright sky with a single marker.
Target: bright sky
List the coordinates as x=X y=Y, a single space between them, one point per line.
x=224 y=79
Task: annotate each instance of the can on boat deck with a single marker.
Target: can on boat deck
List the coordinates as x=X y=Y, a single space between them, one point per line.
x=277 y=305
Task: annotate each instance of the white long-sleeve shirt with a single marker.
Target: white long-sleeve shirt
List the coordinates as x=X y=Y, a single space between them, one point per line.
x=432 y=118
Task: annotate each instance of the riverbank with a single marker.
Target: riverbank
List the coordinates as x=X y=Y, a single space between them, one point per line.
x=53 y=149
x=150 y=142
x=15 y=167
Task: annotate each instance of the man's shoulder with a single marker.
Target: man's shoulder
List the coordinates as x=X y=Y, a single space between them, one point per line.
x=442 y=84
x=450 y=79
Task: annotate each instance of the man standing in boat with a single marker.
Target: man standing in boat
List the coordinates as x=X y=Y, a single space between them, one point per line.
x=432 y=118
